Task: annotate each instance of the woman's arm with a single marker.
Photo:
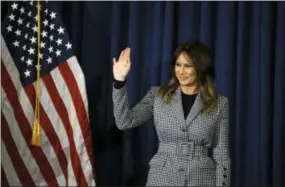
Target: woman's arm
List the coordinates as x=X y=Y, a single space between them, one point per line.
x=128 y=118
x=221 y=150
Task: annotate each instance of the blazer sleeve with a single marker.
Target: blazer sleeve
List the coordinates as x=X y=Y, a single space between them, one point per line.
x=221 y=149
x=125 y=117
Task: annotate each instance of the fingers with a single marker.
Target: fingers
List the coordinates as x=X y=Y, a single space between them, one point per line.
x=114 y=61
x=122 y=55
x=129 y=55
x=125 y=55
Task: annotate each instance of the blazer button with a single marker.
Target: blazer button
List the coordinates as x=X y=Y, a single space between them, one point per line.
x=224 y=183
x=225 y=169
x=225 y=176
x=181 y=169
x=184 y=129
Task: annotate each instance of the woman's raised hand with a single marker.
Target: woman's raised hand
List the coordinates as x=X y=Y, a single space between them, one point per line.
x=122 y=67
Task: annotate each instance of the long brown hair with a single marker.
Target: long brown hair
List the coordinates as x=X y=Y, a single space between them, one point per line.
x=201 y=58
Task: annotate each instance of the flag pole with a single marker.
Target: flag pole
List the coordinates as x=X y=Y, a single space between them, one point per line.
x=36 y=137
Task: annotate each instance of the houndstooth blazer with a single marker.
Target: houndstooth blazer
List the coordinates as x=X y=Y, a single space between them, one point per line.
x=183 y=157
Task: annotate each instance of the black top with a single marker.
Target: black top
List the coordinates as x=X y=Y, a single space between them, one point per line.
x=187 y=100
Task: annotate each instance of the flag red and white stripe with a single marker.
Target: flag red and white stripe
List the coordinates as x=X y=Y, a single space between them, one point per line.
x=65 y=156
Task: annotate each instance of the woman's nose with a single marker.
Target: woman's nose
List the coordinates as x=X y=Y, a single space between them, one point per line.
x=182 y=69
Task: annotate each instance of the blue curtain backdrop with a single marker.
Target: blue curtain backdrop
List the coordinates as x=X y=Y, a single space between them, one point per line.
x=248 y=42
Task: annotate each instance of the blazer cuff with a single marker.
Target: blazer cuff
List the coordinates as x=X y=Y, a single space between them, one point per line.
x=223 y=173
x=119 y=84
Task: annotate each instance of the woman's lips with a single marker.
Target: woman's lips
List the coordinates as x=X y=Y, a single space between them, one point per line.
x=182 y=78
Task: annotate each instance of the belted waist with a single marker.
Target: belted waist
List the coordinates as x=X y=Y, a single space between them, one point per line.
x=183 y=149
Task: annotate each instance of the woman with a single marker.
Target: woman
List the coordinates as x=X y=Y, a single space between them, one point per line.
x=190 y=119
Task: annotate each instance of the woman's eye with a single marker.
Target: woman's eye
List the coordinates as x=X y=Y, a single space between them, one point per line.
x=189 y=66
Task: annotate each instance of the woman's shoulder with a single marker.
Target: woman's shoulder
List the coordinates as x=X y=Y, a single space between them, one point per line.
x=154 y=90
x=222 y=101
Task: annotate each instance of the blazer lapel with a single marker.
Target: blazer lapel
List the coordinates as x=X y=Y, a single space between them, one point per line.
x=177 y=108
x=196 y=108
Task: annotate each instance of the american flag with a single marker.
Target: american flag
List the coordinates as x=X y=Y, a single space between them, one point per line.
x=65 y=155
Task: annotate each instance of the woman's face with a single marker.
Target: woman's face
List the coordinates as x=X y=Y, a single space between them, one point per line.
x=185 y=71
